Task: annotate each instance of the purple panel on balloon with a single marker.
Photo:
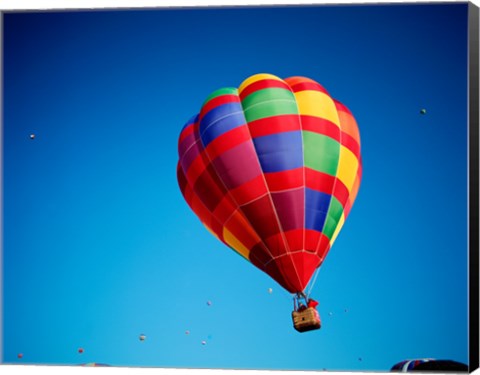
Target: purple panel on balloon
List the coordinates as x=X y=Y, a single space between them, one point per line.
x=289 y=207
x=238 y=165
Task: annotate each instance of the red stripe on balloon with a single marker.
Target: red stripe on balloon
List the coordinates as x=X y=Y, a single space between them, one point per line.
x=284 y=180
x=224 y=209
x=341 y=192
x=305 y=265
x=263 y=84
x=320 y=126
x=249 y=191
x=261 y=215
x=289 y=207
x=227 y=141
x=259 y=255
x=238 y=226
x=325 y=183
x=274 y=125
x=341 y=107
x=195 y=169
x=303 y=86
x=181 y=179
x=319 y=181
x=216 y=226
x=271 y=269
x=323 y=246
x=286 y=266
x=349 y=142
x=185 y=132
x=276 y=244
x=295 y=239
x=347 y=209
x=209 y=188
x=311 y=240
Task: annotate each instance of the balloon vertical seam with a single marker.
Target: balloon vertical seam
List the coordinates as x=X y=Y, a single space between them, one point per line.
x=228 y=191
x=287 y=248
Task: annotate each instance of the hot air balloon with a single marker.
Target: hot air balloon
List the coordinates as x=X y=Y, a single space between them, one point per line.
x=429 y=365
x=409 y=364
x=272 y=170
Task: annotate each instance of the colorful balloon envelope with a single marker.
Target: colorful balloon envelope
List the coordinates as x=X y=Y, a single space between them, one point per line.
x=272 y=170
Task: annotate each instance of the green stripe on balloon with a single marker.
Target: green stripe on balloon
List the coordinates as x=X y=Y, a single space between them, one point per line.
x=270 y=109
x=224 y=91
x=267 y=95
x=333 y=217
x=321 y=153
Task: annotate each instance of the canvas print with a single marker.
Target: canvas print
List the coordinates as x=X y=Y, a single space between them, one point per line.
x=271 y=188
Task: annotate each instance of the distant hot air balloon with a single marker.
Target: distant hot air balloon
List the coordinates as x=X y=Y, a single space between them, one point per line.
x=204 y=342
x=209 y=303
x=142 y=337
x=272 y=170
x=429 y=365
x=409 y=364
x=187 y=332
x=80 y=350
x=94 y=364
x=20 y=355
x=32 y=136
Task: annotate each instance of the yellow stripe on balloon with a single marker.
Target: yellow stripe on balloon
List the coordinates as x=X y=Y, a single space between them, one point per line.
x=347 y=167
x=318 y=104
x=255 y=78
x=337 y=229
x=233 y=242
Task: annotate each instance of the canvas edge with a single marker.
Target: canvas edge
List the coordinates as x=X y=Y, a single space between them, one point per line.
x=473 y=114
x=1 y=190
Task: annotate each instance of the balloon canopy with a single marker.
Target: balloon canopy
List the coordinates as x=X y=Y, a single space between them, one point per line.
x=272 y=170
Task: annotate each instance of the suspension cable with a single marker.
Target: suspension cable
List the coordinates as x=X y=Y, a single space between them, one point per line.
x=313 y=282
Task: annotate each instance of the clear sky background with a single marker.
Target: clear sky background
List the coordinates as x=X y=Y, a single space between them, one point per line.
x=100 y=247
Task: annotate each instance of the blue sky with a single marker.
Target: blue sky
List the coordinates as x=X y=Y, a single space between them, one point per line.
x=99 y=246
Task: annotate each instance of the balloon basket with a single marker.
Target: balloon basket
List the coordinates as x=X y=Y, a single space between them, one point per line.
x=306 y=320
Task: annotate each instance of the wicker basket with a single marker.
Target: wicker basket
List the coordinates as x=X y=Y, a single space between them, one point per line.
x=306 y=320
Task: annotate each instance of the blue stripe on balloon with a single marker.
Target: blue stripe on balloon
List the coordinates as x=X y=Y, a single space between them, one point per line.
x=280 y=152
x=220 y=120
x=316 y=208
x=192 y=120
